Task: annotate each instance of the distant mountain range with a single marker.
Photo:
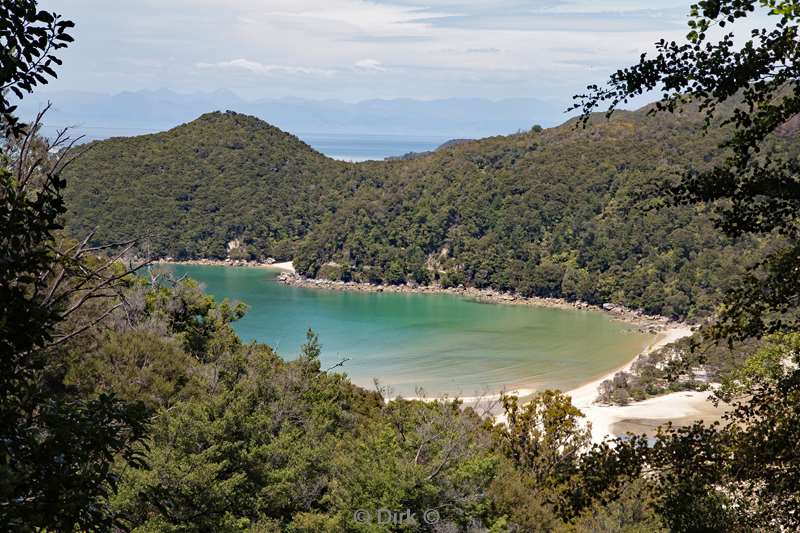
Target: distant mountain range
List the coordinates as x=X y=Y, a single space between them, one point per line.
x=99 y=116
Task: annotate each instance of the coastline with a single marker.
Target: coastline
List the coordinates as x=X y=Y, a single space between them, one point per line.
x=603 y=418
x=584 y=392
x=659 y=409
x=663 y=408
x=644 y=322
x=286 y=266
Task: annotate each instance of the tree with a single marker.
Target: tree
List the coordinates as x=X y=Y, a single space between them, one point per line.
x=545 y=436
x=29 y=39
x=56 y=451
x=631 y=512
x=744 y=474
x=751 y=90
x=769 y=364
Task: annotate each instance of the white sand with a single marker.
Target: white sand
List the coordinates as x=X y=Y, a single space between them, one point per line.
x=663 y=408
x=673 y=406
x=287 y=266
x=473 y=400
x=660 y=409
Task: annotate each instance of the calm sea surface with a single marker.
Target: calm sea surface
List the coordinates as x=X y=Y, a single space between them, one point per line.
x=442 y=343
x=348 y=147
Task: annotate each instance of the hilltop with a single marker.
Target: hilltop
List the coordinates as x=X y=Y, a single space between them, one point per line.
x=567 y=212
x=417 y=155
x=99 y=116
x=189 y=191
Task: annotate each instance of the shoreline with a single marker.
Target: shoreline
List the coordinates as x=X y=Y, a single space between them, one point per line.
x=286 y=266
x=603 y=418
x=666 y=337
x=645 y=323
x=665 y=407
x=608 y=421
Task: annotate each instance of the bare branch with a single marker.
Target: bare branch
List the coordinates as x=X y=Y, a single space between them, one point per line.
x=95 y=273
x=27 y=139
x=340 y=363
x=64 y=338
x=61 y=274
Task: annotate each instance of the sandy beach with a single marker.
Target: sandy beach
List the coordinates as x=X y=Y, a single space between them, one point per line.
x=608 y=420
x=638 y=417
x=286 y=266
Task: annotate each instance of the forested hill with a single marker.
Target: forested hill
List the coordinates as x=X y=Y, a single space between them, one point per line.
x=188 y=191
x=565 y=212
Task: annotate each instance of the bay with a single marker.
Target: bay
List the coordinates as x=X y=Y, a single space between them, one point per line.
x=443 y=344
x=356 y=148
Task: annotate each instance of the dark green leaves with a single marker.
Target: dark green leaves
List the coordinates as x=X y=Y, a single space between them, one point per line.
x=28 y=39
x=752 y=89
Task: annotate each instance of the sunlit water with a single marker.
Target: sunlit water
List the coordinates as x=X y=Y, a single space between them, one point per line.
x=441 y=343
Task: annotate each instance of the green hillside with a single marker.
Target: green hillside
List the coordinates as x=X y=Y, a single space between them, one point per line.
x=187 y=192
x=565 y=212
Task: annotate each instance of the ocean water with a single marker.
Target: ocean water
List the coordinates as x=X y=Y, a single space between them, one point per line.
x=444 y=344
x=355 y=148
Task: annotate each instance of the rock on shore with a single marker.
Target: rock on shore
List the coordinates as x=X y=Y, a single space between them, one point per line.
x=646 y=323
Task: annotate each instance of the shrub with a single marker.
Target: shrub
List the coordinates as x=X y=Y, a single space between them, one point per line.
x=621 y=397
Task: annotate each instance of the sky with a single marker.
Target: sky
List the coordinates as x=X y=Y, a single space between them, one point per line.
x=355 y=50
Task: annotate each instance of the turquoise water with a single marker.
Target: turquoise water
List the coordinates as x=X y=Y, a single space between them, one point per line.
x=442 y=343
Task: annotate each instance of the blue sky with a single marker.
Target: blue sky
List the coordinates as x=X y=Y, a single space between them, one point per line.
x=356 y=49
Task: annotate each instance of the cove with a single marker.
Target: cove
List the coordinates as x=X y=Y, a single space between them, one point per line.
x=443 y=344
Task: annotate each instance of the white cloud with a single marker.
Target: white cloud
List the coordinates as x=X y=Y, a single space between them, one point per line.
x=335 y=48
x=370 y=64
x=262 y=69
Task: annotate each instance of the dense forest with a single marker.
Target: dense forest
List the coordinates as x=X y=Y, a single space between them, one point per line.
x=189 y=191
x=129 y=403
x=566 y=212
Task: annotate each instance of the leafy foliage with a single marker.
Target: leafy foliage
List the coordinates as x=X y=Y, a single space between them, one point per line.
x=743 y=475
x=560 y=212
x=56 y=451
x=545 y=436
x=29 y=38
x=753 y=88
